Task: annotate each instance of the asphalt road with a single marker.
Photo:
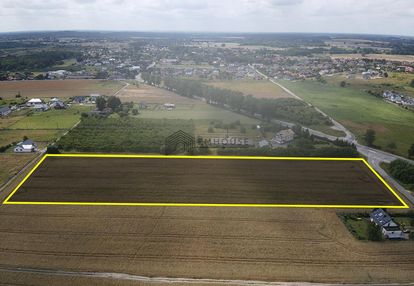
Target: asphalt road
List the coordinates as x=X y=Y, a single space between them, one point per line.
x=374 y=156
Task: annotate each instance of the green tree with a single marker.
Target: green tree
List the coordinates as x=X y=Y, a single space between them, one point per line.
x=411 y=151
x=52 y=149
x=113 y=102
x=40 y=77
x=134 y=111
x=370 y=137
x=412 y=83
x=374 y=232
x=343 y=83
x=100 y=103
x=403 y=171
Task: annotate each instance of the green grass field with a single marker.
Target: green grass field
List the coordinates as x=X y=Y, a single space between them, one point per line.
x=196 y=111
x=10 y=136
x=399 y=82
x=202 y=114
x=51 y=119
x=358 y=111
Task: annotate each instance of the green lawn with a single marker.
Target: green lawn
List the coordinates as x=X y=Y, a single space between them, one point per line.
x=196 y=111
x=37 y=135
x=51 y=119
x=359 y=111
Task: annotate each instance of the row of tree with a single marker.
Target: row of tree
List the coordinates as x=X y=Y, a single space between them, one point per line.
x=289 y=109
x=35 y=61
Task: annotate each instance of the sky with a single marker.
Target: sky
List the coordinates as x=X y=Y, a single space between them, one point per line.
x=391 y=17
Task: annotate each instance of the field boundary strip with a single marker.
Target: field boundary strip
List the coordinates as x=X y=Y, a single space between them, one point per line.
x=8 y=202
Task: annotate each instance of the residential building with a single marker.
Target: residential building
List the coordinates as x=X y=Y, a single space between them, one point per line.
x=283 y=137
x=389 y=228
x=26 y=146
x=34 y=101
x=4 y=111
x=79 y=99
x=41 y=107
x=169 y=106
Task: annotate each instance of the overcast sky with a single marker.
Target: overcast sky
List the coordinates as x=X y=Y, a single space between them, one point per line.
x=343 y=16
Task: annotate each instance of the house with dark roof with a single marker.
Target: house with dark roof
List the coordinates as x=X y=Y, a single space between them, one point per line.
x=4 y=111
x=79 y=99
x=389 y=228
x=26 y=146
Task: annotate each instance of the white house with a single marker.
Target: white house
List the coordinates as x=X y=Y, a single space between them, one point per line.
x=169 y=106
x=34 y=101
x=389 y=228
x=26 y=146
x=392 y=231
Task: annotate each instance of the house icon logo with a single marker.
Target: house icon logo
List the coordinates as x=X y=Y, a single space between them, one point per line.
x=179 y=142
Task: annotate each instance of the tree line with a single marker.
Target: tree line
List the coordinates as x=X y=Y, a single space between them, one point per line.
x=288 y=109
x=35 y=61
x=402 y=170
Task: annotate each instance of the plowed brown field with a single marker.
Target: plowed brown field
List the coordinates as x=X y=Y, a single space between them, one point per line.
x=204 y=181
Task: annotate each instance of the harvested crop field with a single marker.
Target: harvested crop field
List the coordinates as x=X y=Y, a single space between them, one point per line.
x=259 y=89
x=150 y=94
x=189 y=242
x=204 y=181
x=56 y=88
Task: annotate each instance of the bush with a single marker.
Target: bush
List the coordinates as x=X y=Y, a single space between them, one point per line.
x=403 y=171
x=374 y=232
x=52 y=150
x=5 y=147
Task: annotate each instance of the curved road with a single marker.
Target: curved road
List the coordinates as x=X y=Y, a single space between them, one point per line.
x=374 y=156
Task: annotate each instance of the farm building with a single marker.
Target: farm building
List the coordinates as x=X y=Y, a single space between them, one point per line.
x=41 y=107
x=34 y=101
x=169 y=106
x=26 y=146
x=4 y=111
x=389 y=228
x=56 y=103
x=283 y=136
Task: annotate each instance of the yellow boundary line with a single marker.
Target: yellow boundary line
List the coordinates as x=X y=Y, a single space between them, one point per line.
x=403 y=206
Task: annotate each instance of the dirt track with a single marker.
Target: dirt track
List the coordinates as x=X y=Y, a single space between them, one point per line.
x=204 y=181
